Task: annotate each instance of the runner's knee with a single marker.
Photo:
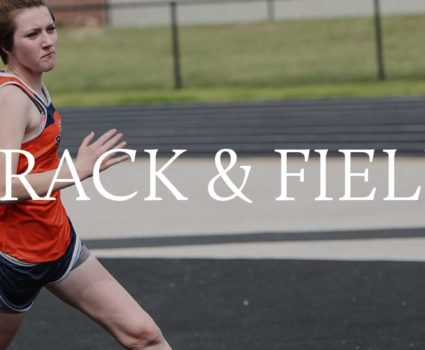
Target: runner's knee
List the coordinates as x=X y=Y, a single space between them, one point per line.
x=141 y=336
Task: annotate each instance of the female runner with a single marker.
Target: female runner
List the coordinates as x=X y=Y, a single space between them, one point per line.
x=38 y=245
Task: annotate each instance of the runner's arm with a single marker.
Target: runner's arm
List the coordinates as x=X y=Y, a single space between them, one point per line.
x=15 y=108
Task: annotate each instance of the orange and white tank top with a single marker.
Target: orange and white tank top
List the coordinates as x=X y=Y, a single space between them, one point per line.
x=36 y=231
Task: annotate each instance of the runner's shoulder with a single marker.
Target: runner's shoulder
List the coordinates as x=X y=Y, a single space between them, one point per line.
x=12 y=98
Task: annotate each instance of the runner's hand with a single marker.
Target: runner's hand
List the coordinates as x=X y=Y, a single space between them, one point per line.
x=90 y=151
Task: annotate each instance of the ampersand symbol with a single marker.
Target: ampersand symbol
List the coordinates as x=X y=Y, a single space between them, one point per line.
x=222 y=173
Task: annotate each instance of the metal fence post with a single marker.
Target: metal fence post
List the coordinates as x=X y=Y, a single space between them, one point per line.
x=379 y=40
x=270 y=10
x=175 y=44
x=107 y=8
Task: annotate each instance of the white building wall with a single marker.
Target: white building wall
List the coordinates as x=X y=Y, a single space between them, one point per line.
x=240 y=12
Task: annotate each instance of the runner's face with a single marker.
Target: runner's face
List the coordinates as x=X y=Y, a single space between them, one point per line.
x=35 y=40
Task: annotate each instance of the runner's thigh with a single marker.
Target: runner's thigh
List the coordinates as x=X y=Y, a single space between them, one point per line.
x=91 y=289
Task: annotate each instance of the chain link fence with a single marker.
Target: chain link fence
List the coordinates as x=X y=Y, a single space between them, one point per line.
x=178 y=15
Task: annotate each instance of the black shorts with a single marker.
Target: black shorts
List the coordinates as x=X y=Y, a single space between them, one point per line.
x=20 y=282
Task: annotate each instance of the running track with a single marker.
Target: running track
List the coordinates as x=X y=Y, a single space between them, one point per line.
x=220 y=304
x=258 y=128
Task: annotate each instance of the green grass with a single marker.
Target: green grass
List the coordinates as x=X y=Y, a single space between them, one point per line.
x=302 y=59
x=311 y=91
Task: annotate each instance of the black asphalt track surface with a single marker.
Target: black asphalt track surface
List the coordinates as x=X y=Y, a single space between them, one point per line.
x=207 y=304
x=257 y=128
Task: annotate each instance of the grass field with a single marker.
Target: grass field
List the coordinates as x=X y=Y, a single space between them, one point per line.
x=302 y=59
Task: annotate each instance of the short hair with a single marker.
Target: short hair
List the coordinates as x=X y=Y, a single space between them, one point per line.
x=7 y=21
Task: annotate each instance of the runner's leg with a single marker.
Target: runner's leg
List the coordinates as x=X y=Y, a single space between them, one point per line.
x=91 y=289
x=9 y=325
